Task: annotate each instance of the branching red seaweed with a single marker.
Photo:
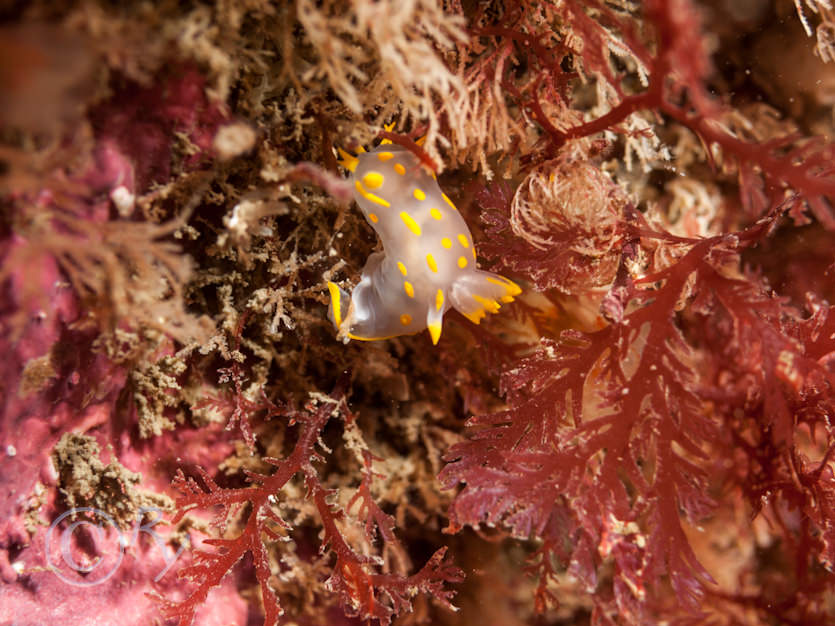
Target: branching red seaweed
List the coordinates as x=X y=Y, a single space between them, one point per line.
x=363 y=590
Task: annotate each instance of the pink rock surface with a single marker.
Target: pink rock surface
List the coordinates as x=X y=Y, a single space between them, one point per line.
x=55 y=382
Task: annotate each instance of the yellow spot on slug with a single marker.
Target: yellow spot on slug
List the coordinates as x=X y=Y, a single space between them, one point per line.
x=462 y=239
x=462 y=262
x=430 y=261
x=398 y=167
x=384 y=156
x=448 y=201
x=373 y=180
x=373 y=217
x=410 y=291
x=419 y=194
x=439 y=299
x=401 y=267
x=446 y=242
x=370 y=196
x=435 y=213
x=411 y=224
x=405 y=319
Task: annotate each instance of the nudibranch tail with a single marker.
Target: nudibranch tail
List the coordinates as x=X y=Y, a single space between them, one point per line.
x=477 y=293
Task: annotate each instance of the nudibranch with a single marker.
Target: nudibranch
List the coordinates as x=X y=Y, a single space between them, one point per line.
x=428 y=262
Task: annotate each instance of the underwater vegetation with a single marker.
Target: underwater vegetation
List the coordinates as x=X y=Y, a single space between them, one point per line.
x=642 y=435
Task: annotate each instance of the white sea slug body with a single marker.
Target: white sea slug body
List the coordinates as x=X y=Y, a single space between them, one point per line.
x=428 y=259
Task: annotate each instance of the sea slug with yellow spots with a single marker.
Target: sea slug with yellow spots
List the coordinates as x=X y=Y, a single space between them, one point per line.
x=428 y=260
